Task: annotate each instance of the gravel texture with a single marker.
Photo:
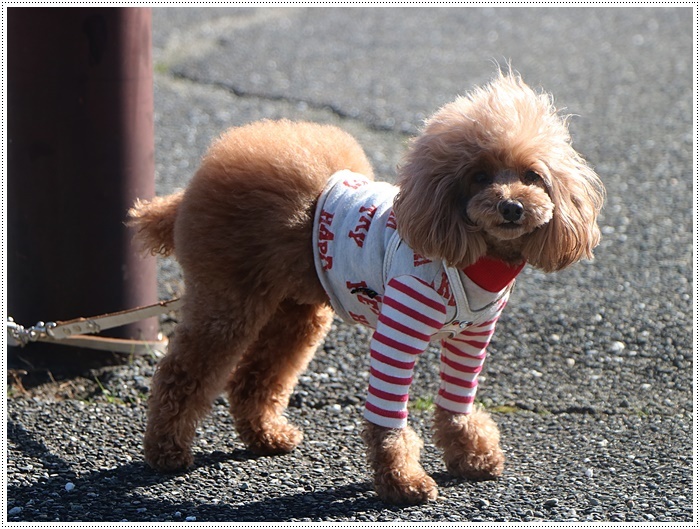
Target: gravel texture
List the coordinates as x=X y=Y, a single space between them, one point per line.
x=590 y=373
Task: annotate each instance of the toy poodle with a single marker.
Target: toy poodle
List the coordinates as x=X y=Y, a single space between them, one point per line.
x=282 y=225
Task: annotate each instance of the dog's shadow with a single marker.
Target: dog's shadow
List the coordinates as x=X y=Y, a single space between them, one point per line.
x=139 y=493
x=217 y=457
x=141 y=488
x=344 y=501
x=317 y=505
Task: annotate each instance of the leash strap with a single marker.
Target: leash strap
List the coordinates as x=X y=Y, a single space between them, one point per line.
x=72 y=332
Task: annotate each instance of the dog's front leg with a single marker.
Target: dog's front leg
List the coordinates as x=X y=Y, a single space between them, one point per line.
x=470 y=443
x=411 y=313
x=394 y=455
x=468 y=436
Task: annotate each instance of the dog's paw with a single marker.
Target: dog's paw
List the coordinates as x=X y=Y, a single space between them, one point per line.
x=272 y=438
x=394 y=455
x=171 y=459
x=476 y=467
x=470 y=444
x=405 y=489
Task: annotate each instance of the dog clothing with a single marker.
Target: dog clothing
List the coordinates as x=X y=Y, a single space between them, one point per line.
x=374 y=278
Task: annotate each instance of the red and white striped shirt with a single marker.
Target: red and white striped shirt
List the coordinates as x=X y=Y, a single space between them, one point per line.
x=412 y=314
x=373 y=278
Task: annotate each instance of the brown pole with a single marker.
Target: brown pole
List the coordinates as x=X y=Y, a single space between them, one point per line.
x=80 y=151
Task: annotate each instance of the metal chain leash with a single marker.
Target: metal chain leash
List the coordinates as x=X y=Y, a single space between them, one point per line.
x=72 y=332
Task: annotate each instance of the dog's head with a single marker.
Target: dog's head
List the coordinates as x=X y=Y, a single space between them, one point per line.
x=495 y=172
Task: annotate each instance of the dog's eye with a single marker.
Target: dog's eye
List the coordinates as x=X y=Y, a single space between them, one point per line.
x=531 y=177
x=482 y=178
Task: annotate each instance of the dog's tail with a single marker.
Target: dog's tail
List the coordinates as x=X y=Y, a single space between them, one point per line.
x=154 y=222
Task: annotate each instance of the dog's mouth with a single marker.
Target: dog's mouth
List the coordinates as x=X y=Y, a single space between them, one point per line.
x=508 y=230
x=494 y=217
x=510 y=226
x=503 y=229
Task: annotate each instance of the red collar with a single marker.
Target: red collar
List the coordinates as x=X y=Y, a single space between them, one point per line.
x=493 y=274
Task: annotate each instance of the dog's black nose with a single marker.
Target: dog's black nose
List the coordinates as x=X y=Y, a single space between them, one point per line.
x=510 y=210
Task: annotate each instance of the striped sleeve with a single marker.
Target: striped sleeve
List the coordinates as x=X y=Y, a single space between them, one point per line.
x=412 y=312
x=460 y=364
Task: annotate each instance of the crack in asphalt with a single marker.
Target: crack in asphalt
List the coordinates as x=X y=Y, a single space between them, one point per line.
x=314 y=105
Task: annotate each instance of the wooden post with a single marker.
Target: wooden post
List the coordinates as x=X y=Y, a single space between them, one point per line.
x=80 y=150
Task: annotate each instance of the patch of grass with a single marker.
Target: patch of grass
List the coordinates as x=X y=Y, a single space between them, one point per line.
x=161 y=67
x=108 y=394
x=422 y=404
x=505 y=408
x=14 y=386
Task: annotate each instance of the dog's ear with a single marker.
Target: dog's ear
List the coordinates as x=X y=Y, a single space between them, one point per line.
x=573 y=232
x=430 y=208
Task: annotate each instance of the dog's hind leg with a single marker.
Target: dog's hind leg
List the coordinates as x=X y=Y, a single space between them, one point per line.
x=207 y=344
x=262 y=382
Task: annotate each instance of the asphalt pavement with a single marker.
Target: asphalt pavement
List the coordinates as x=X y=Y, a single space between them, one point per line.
x=590 y=374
